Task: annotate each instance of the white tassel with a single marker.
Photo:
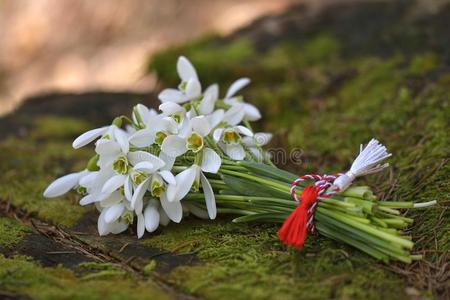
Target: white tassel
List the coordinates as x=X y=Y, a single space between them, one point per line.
x=367 y=162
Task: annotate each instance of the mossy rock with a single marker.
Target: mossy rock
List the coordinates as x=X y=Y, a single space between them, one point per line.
x=325 y=82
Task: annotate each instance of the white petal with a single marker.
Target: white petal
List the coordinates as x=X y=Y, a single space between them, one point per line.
x=209 y=99
x=185 y=69
x=87 y=180
x=88 y=199
x=107 y=200
x=151 y=216
x=128 y=188
x=263 y=138
x=236 y=86
x=210 y=200
x=143 y=112
x=140 y=225
x=174 y=210
x=201 y=125
x=216 y=117
x=167 y=124
x=136 y=200
x=88 y=137
x=244 y=130
x=251 y=112
x=218 y=134
x=168 y=177
x=142 y=138
x=118 y=227
x=212 y=90
x=235 y=152
x=211 y=161
x=184 y=180
x=163 y=218
x=174 y=146
x=136 y=157
x=105 y=147
x=62 y=185
x=185 y=128
x=171 y=95
x=122 y=139
x=169 y=108
x=235 y=114
x=113 y=183
x=193 y=89
x=102 y=226
x=113 y=212
x=145 y=166
x=168 y=160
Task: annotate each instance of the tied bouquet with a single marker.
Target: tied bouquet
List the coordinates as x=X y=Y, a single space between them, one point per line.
x=199 y=155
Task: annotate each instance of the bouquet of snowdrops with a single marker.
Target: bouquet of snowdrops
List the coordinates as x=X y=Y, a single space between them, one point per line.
x=199 y=155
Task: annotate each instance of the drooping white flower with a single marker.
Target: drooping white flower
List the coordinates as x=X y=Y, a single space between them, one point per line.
x=193 y=177
x=154 y=132
x=142 y=115
x=189 y=88
x=255 y=143
x=64 y=184
x=247 y=110
x=230 y=141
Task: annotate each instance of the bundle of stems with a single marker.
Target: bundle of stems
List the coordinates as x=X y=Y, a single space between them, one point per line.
x=258 y=192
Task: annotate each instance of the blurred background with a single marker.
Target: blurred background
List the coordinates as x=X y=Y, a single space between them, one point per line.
x=83 y=45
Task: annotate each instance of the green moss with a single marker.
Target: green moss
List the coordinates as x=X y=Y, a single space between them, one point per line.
x=32 y=162
x=424 y=63
x=245 y=261
x=58 y=127
x=24 y=277
x=11 y=232
x=150 y=267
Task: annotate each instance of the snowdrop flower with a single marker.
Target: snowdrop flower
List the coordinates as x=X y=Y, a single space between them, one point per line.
x=189 y=88
x=242 y=109
x=154 y=132
x=176 y=145
x=114 y=220
x=64 y=184
x=255 y=143
x=194 y=178
x=230 y=141
x=142 y=115
x=113 y=149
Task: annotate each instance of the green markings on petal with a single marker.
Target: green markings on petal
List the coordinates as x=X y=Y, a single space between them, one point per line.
x=127 y=217
x=159 y=137
x=138 y=177
x=157 y=186
x=231 y=137
x=120 y=165
x=177 y=117
x=194 y=142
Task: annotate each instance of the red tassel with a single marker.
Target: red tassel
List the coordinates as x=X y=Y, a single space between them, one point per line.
x=294 y=230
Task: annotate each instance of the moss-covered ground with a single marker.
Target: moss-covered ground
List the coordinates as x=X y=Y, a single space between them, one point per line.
x=324 y=86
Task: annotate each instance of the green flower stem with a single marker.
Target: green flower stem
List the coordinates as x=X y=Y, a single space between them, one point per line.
x=396 y=204
x=276 y=185
x=331 y=233
x=367 y=228
x=356 y=234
